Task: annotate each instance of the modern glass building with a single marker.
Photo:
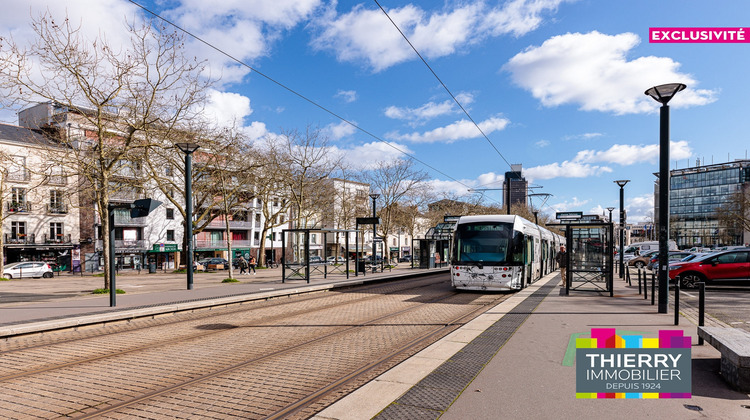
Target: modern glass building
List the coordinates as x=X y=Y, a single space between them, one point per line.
x=696 y=193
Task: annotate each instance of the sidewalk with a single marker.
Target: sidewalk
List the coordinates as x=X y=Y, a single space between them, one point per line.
x=533 y=376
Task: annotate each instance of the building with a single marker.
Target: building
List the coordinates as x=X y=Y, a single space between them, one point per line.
x=39 y=215
x=515 y=187
x=695 y=195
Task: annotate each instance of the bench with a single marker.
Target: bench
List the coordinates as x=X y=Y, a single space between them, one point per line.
x=734 y=346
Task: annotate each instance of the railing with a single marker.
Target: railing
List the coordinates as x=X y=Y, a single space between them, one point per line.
x=57 y=208
x=57 y=180
x=22 y=175
x=19 y=239
x=13 y=207
x=125 y=220
x=56 y=239
x=139 y=244
x=232 y=224
x=222 y=244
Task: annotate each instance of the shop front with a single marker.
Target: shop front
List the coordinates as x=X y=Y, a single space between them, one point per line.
x=58 y=256
x=163 y=257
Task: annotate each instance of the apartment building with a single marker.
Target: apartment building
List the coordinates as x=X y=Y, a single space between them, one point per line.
x=40 y=212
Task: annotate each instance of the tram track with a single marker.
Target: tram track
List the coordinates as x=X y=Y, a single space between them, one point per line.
x=210 y=329
x=315 y=340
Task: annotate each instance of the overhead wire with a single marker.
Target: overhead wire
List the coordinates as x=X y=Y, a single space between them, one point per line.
x=294 y=92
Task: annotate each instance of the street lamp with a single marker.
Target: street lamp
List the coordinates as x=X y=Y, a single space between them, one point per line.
x=374 y=197
x=622 y=183
x=188 y=149
x=663 y=94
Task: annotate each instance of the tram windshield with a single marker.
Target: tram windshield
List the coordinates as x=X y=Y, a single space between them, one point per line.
x=492 y=243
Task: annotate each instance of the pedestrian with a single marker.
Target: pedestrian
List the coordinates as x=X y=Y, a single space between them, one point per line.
x=562 y=260
x=252 y=264
x=243 y=265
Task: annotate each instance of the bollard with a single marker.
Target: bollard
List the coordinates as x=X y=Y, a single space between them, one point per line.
x=627 y=277
x=677 y=301
x=645 y=286
x=701 y=307
x=639 y=281
x=653 y=287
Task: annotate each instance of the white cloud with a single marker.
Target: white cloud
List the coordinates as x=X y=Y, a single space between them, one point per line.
x=367 y=35
x=626 y=155
x=592 y=70
x=584 y=136
x=639 y=209
x=256 y=131
x=429 y=110
x=542 y=143
x=566 y=169
x=340 y=130
x=573 y=205
x=460 y=130
x=376 y=152
x=347 y=96
x=227 y=108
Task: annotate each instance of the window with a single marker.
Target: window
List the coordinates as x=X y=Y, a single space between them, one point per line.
x=170 y=235
x=17 y=230
x=17 y=170
x=168 y=171
x=18 y=195
x=170 y=214
x=57 y=176
x=170 y=193
x=257 y=219
x=281 y=218
x=56 y=231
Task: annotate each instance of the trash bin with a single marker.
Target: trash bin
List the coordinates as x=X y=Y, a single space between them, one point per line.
x=152 y=267
x=361 y=266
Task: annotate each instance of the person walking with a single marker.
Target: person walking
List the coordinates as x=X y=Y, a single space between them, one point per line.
x=562 y=261
x=243 y=265
x=252 y=265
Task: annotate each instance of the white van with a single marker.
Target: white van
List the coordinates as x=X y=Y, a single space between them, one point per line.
x=641 y=247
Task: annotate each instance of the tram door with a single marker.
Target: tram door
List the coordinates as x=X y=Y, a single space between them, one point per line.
x=590 y=257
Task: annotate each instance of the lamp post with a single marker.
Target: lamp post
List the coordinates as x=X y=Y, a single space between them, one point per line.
x=374 y=197
x=188 y=149
x=622 y=183
x=610 y=213
x=663 y=94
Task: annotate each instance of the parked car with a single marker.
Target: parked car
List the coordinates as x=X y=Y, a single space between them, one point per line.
x=405 y=258
x=673 y=256
x=316 y=259
x=642 y=260
x=336 y=260
x=33 y=269
x=726 y=266
x=216 y=263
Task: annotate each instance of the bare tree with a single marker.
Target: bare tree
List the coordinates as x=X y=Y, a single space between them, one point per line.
x=395 y=181
x=734 y=215
x=117 y=98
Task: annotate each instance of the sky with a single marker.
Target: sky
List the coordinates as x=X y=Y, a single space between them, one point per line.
x=554 y=85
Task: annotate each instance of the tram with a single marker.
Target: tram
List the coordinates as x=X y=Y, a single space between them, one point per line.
x=500 y=252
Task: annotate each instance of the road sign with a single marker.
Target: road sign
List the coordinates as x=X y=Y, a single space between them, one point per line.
x=368 y=220
x=568 y=215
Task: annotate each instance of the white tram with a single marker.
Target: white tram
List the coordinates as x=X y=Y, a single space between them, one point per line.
x=500 y=252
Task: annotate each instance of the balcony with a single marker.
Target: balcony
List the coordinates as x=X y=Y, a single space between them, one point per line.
x=15 y=207
x=222 y=244
x=19 y=176
x=56 y=239
x=57 y=209
x=126 y=195
x=124 y=219
x=20 y=239
x=233 y=224
x=123 y=245
x=57 y=180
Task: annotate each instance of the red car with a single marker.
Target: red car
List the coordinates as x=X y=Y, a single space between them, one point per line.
x=727 y=266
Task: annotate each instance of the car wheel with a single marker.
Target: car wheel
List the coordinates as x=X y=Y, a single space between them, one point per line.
x=47 y=275
x=639 y=265
x=689 y=280
x=8 y=276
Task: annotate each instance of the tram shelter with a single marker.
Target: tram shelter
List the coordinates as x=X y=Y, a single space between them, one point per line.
x=590 y=256
x=300 y=245
x=433 y=250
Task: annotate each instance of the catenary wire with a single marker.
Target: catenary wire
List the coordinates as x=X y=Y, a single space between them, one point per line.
x=294 y=92
x=441 y=83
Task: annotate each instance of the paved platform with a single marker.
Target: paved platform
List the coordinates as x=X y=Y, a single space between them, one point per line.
x=532 y=375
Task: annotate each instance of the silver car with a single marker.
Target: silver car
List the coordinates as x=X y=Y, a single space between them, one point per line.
x=34 y=269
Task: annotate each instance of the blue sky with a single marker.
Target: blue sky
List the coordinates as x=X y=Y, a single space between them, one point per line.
x=557 y=86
